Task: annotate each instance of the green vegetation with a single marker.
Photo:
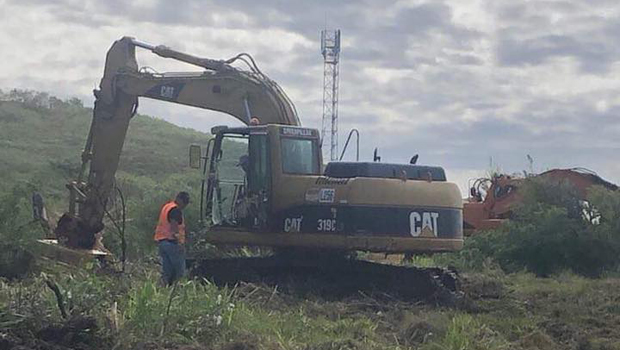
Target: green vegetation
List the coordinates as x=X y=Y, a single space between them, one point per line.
x=42 y=138
x=552 y=231
x=131 y=310
x=506 y=306
x=51 y=134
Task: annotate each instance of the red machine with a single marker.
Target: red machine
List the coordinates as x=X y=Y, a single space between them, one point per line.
x=491 y=201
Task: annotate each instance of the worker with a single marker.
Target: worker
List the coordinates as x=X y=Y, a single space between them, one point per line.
x=170 y=238
x=254 y=121
x=240 y=207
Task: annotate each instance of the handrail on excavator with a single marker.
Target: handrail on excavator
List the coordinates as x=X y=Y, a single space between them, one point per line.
x=357 y=134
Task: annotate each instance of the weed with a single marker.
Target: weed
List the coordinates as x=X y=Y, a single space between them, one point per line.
x=466 y=332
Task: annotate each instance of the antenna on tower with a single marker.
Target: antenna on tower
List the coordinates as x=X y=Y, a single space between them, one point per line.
x=330 y=48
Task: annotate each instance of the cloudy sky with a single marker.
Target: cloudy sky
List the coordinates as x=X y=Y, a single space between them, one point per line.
x=469 y=85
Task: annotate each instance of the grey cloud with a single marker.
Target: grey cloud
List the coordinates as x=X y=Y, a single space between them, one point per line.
x=471 y=146
x=379 y=37
x=99 y=13
x=459 y=59
x=485 y=105
x=388 y=39
x=422 y=18
x=533 y=33
x=436 y=72
x=303 y=17
x=535 y=14
x=593 y=56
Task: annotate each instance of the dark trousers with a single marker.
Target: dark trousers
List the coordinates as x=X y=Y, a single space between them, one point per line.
x=172 y=257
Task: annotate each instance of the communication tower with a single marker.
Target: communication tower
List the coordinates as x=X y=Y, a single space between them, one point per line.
x=330 y=48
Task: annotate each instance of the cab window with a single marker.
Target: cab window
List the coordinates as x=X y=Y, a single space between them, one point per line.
x=259 y=177
x=299 y=156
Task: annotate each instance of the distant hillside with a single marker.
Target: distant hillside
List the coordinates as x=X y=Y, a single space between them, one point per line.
x=41 y=141
x=35 y=134
x=42 y=136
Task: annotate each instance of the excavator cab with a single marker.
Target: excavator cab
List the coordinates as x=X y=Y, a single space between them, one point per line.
x=265 y=186
x=243 y=166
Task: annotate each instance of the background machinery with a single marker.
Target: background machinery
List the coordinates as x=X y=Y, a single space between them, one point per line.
x=492 y=201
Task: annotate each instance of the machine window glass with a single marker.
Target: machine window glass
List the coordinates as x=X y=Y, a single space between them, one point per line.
x=299 y=156
x=259 y=171
x=232 y=165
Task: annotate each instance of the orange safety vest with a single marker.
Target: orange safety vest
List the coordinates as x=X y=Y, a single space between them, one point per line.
x=164 y=229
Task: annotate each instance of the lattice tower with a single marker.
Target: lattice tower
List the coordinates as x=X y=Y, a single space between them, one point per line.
x=330 y=48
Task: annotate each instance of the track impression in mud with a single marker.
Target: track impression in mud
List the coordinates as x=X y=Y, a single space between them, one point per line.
x=334 y=279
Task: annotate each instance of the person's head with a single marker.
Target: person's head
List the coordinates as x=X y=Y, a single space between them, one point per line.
x=182 y=199
x=254 y=121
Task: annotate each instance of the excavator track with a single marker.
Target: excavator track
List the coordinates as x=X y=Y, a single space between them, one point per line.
x=336 y=278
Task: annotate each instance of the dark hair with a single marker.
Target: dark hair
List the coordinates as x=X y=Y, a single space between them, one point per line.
x=183 y=196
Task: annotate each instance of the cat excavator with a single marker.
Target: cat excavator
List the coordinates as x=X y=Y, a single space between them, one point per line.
x=282 y=195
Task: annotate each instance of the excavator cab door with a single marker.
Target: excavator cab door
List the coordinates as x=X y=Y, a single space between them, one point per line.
x=239 y=179
x=259 y=180
x=227 y=178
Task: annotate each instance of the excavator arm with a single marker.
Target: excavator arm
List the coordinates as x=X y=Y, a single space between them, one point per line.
x=242 y=94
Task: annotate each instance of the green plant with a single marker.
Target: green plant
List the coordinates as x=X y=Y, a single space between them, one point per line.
x=552 y=230
x=467 y=333
x=188 y=311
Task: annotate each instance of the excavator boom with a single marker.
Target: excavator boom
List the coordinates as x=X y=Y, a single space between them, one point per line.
x=243 y=94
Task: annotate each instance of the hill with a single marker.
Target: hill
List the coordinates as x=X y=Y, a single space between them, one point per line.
x=42 y=138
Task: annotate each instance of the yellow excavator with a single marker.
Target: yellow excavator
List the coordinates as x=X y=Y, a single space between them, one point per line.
x=282 y=195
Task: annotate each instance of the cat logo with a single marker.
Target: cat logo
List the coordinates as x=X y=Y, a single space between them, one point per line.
x=167 y=91
x=423 y=224
x=293 y=224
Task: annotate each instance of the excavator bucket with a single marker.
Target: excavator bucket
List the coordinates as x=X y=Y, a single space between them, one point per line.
x=50 y=248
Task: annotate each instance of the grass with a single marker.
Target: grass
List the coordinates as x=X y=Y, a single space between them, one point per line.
x=134 y=310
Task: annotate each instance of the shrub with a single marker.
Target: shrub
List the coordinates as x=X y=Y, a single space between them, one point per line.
x=553 y=230
x=17 y=230
x=606 y=208
x=478 y=252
